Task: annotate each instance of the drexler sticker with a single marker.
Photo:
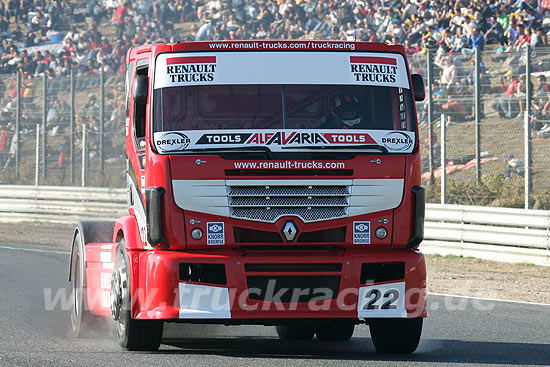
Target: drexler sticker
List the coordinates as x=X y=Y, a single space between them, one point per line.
x=397 y=141
x=361 y=233
x=171 y=142
x=215 y=233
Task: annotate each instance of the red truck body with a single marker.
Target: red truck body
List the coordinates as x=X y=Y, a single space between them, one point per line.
x=256 y=216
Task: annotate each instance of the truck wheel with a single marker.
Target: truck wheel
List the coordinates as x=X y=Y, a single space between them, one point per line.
x=132 y=334
x=83 y=323
x=396 y=335
x=338 y=330
x=295 y=332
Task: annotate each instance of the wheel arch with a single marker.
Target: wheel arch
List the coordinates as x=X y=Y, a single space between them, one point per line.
x=91 y=232
x=127 y=228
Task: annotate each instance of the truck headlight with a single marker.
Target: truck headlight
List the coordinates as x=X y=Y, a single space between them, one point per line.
x=381 y=233
x=196 y=234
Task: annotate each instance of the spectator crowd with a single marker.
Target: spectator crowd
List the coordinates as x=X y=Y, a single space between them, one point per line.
x=53 y=37
x=454 y=26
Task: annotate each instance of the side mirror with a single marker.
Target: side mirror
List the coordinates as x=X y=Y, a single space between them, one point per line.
x=141 y=85
x=418 y=87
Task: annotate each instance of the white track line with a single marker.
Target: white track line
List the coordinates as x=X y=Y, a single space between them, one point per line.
x=430 y=293
x=489 y=299
x=34 y=250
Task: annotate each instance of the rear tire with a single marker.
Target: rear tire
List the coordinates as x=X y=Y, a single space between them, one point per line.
x=338 y=330
x=132 y=334
x=396 y=335
x=295 y=332
x=83 y=323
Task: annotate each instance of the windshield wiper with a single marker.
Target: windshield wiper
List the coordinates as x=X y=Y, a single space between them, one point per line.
x=242 y=149
x=341 y=147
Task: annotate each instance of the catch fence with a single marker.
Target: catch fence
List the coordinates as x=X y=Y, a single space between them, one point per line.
x=71 y=129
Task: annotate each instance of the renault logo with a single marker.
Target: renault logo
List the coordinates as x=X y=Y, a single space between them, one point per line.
x=289 y=231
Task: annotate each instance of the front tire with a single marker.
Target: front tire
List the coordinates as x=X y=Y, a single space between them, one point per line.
x=132 y=334
x=295 y=332
x=396 y=335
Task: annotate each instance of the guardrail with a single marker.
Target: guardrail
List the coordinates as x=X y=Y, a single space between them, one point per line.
x=502 y=234
x=63 y=204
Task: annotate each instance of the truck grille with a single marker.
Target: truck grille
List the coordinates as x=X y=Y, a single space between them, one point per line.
x=268 y=203
x=289 y=201
x=303 y=191
x=267 y=200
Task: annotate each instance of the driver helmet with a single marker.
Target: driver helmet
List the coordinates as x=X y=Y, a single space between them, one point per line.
x=346 y=110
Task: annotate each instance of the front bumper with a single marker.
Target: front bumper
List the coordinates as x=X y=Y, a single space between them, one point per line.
x=328 y=283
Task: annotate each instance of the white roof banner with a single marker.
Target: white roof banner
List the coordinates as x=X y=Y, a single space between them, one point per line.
x=315 y=68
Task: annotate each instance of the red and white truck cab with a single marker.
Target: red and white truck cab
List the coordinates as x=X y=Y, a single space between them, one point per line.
x=269 y=182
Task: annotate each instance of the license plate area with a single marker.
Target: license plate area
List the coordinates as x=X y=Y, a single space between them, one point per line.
x=382 y=300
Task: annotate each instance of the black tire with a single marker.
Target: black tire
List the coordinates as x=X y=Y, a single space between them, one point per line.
x=396 y=335
x=132 y=334
x=295 y=332
x=337 y=330
x=83 y=323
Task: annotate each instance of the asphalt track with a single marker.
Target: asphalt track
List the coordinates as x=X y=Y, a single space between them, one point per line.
x=458 y=332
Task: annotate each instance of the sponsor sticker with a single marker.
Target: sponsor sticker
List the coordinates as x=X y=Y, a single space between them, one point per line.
x=397 y=141
x=215 y=233
x=374 y=69
x=171 y=141
x=361 y=233
x=286 y=138
x=278 y=140
x=106 y=280
x=191 y=69
x=213 y=139
x=105 y=299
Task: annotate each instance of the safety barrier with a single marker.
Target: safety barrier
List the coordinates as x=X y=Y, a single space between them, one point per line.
x=502 y=234
x=60 y=204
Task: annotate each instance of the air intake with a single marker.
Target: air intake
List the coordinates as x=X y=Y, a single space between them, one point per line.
x=269 y=203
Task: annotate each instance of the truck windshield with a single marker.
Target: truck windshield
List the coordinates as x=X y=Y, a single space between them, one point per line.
x=233 y=107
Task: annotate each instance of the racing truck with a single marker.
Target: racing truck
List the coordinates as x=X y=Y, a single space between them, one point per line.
x=272 y=183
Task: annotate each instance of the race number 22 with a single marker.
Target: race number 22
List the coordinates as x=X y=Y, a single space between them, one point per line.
x=390 y=297
x=384 y=300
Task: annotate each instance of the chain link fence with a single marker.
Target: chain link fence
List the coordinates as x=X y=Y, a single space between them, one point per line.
x=503 y=124
x=496 y=134
x=71 y=130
